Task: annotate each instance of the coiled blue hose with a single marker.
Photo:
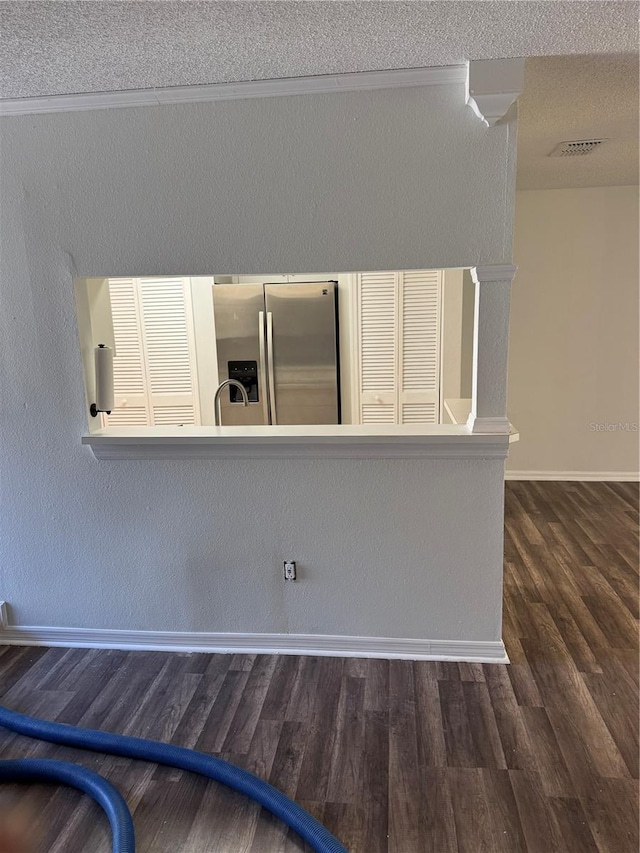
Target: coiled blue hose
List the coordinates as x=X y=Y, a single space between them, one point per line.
x=103 y=792
x=288 y=811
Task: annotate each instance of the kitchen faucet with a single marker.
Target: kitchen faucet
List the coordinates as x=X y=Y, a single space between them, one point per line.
x=216 y=398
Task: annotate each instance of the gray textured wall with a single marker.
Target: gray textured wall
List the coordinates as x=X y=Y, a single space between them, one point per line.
x=350 y=181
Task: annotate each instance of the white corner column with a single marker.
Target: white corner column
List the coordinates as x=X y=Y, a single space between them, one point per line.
x=490 y=348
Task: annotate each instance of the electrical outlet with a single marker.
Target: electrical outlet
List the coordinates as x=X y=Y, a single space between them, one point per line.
x=289 y=570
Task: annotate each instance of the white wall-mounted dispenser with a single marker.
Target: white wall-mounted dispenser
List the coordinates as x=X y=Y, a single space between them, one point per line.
x=103 y=359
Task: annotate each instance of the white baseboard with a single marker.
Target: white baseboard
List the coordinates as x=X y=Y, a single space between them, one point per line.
x=584 y=476
x=282 y=644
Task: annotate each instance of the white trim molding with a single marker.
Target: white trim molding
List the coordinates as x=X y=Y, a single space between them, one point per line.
x=577 y=476
x=312 y=442
x=493 y=273
x=492 y=285
x=492 y=86
x=488 y=425
x=477 y=651
x=320 y=84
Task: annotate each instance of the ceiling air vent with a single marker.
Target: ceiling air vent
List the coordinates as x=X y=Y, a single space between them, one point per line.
x=576 y=147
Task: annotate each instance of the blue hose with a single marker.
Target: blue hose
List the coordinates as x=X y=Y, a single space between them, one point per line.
x=103 y=792
x=314 y=833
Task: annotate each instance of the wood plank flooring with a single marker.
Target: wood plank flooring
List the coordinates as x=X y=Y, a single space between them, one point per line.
x=395 y=757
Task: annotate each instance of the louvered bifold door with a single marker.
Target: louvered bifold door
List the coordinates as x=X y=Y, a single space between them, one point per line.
x=419 y=346
x=167 y=332
x=378 y=349
x=129 y=380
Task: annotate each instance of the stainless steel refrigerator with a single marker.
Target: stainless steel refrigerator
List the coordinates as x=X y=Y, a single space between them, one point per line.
x=280 y=341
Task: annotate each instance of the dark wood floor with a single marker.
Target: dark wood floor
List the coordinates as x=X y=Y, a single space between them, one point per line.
x=401 y=757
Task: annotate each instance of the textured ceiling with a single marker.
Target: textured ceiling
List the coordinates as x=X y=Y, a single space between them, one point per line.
x=62 y=47
x=579 y=97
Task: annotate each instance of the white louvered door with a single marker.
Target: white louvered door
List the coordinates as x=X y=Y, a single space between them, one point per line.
x=419 y=346
x=169 y=351
x=398 y=329
x=129 y=377
x=378 y=351
x=155 y=379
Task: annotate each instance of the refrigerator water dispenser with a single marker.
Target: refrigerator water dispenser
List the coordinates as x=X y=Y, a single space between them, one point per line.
x=246 y=373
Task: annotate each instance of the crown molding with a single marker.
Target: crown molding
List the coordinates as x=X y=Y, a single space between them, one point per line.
x=492 y=85
x=321 y=84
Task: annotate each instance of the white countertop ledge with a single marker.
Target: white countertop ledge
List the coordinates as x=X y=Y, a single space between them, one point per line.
x=288 y=442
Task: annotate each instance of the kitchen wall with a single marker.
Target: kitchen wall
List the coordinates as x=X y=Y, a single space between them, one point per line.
x=398 y=548
x=457 y=337
x=457 y=334
x=205 y=344
x=466 y=352
x=573 y=364
x=451 y=336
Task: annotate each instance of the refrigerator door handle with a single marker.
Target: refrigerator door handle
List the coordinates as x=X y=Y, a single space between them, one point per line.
x=272 y=378
x=262 y=383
